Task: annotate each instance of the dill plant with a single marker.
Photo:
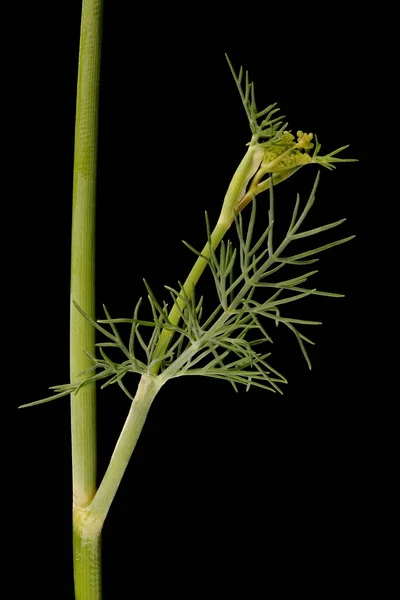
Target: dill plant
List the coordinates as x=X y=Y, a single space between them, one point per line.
x=231 y=342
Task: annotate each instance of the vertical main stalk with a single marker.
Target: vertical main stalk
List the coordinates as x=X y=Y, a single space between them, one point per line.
x=83 y=404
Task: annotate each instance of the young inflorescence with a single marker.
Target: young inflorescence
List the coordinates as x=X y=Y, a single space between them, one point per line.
x=224 y=344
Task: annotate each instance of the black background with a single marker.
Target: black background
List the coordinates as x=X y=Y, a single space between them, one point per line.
x=248 y=492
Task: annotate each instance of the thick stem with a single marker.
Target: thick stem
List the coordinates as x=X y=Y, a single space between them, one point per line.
x=83 y=408
x=87 y=559
x=87 y=565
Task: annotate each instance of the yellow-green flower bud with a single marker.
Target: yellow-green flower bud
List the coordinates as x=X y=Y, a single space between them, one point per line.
x=287 y=153
x=304 y=140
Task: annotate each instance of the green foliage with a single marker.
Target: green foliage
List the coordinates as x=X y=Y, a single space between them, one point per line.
x=264 y=124
x=269 y=130
x=220 y=344
x=226 y=343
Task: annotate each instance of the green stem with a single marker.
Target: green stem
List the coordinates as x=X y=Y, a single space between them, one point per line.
x=83 y=405
x=191 y=280
x=88 y=521
x=147 y=390
x=258 y=186
x=237 y=188
x=235 y=200
x=87 y=560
